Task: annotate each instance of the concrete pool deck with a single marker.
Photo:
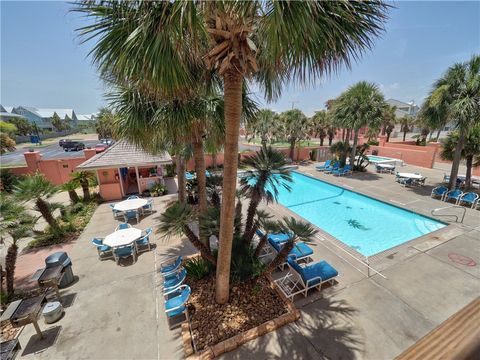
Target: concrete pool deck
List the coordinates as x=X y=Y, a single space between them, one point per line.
x=116 y=312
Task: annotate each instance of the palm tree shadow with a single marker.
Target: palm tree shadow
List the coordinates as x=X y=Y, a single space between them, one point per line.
x=324 y=331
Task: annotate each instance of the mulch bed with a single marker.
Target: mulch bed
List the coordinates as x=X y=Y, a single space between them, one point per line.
x=250 y=305
x=8 y=331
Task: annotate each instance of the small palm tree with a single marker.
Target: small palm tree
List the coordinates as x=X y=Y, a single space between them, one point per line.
x=294 y=127
x=38 y=188
x=267 y=226
x=85 y=179
x=176 y=220
x=298 y=231
x=262 y=182
x=406 y=124
x=18 y=224
x=341 y=150
x=70 y=188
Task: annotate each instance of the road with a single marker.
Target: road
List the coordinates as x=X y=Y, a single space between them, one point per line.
x=52 y=151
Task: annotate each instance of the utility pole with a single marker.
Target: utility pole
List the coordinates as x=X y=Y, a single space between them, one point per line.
x=294 y=102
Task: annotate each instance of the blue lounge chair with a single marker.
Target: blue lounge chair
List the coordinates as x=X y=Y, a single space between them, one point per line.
x=174 y=280
x=300 y=252
x=324 y=166
x=148 y=207
x=132 y=197
x=453 y=195
x=207 y=173
x=104 y=251
x=116 y=213
x=189 y=176
x=143 y=244
x=300 y=279
x=176 y=303
x=131 y=214
x=469 y=198
x=123 y=226
x=171 y=265
x=343 y=171
x=122 y=252
x=439 y=191
x=332 y=168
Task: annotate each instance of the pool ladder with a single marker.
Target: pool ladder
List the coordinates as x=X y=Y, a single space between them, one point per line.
x=433 y=212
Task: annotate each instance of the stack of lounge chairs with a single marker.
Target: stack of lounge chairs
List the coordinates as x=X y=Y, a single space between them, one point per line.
x=334 y=168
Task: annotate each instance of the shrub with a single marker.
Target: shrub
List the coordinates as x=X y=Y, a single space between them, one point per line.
x=373 y=142
x=8 y=180
x=158 y=189
x=197 y=268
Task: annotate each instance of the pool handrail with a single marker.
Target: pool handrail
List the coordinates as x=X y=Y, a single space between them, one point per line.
x=450 y=207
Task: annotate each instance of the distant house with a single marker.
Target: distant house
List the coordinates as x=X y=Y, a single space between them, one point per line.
x=43 y=117
x=86 y=120
x=403 y=109
x=7 y=115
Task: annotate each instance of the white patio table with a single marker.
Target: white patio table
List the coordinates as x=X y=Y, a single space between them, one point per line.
x=410 y=176
x=122 y=237
x=132 y=204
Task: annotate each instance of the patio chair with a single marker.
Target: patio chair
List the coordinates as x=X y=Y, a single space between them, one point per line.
x=332 y=168
x=207 y=173
x=176 y=303
x=123 y=226
x=131 y=214
x=189 y=176
x=439 y=191
x=300 y=252
x=149 y=207
x=132 y=197
x=453 y=195
x=406 y=182
x=126 y=251
x=116 y=213
x=300 y=279
x=174 y=280
x=469 y=198
x=324 y=166
x=343 y=171
x=104 y=251
x=143 y=244
x=171 y=265
x=419 y=182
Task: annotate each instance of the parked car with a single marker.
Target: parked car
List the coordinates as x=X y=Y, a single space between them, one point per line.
x=62 y=142
x=107 y=142
x=73 y=146
x=100 y=148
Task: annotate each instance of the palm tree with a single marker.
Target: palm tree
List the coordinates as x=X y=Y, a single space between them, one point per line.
x=457 y=93
x=294 y=127
x=361 y=105
x=470 y=152
x=406 y=124
x=263 y=125
x=18 y=224
x=176 y=220
x=70 y=188
x=389 y=120
x=85 y=179
x=267 y=173
x=297 y=231
x=267 y=226
x=157 y=45
x=320 y=123
x=341 y=150
x=38 y=188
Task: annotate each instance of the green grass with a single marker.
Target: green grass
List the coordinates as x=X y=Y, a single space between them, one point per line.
x=285 y=143
x=14 y=165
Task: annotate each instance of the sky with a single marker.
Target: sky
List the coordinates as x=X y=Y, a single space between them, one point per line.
x=43 y=63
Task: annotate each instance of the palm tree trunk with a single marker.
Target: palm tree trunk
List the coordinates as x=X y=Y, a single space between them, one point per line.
x=292 y=148
x=343 y=134
x=404 y=135
x=354 y=148
x=456 y=159
x=347 y=136
x=233 y=82
x=44 y=209
x=249 y=228
x=202 y=184
x=438 y=134
x=238 y=217
x=280 y=258
x=86 y=190
x=388 y=136
x=321 y=141
x=214 y=160
x=10 y=262
x=180 y=168
x=72 y=194
x=204 y=251
x=330 y=138
x=260 y=245
x=468 y=175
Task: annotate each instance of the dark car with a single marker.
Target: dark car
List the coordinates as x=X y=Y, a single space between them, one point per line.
x=100 y=148
x=73 y=146
x=107 y=142
x=63 y=141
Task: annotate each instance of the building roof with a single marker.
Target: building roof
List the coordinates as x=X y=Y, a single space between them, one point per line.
x=86 y=117
x=124 y=154
x=7 y=109
x=11 y=115
x=47 y=113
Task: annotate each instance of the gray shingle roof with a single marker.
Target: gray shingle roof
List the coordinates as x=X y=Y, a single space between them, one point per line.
x=124 y=154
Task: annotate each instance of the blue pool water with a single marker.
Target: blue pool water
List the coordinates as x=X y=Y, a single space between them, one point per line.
x=374 y=158
x=367 y=225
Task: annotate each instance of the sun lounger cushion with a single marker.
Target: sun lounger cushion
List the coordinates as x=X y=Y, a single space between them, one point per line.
x=300 y=250
x=321 y=269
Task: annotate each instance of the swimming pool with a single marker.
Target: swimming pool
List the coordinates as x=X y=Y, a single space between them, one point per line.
x=367 y=225
x=384 y=160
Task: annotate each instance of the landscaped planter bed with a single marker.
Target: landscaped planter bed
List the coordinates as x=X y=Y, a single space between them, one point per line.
x=253 y=310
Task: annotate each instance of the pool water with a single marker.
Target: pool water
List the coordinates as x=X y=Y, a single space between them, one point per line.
x=367 y=225
x=374 y=158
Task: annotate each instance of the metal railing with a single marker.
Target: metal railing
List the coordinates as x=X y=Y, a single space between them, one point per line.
x=433 y=212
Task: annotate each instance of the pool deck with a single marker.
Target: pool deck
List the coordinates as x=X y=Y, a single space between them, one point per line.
x=116 y=312
x=374 y=317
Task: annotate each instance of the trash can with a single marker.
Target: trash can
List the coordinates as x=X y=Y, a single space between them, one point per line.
x=61 y=258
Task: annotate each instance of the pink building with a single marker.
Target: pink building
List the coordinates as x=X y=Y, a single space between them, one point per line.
x=124 y=169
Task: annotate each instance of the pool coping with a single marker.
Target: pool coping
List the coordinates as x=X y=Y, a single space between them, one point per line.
x=368 y=260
